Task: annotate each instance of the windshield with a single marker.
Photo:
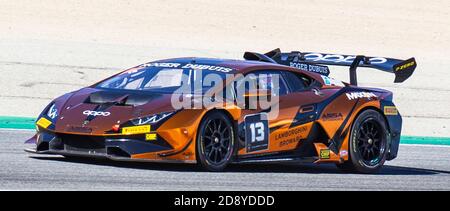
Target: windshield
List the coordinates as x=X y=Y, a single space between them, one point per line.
x=159 y=79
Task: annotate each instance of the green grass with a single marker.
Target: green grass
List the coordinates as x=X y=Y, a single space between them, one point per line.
x=17 y=122
x=425 y=140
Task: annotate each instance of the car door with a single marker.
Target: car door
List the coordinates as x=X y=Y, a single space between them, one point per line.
x=257 y=120
x=298 y=111
x=298 y=96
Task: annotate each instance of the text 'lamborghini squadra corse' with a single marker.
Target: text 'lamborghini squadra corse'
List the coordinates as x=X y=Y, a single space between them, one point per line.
x=273 y=107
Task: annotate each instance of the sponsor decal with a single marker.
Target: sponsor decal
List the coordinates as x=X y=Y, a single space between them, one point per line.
x=402 y=67
x=356 y=95
x=331 y=81
x=162 y=64
x=340 y=58
x=151 y=119
x=324 y=154
x=291 y=136
x=96 y=113
x=188 y=66
x=292 y=132
x=289 y=141
x=207 y=67
x=326 y=80
x=188 y=155
x=390 y=110
x=150 y=136
x=52 y=112
x=343 y=153
x=136 y=129
x=317 y=92
x=332 y=116
x=43 y=122
x=323 y=70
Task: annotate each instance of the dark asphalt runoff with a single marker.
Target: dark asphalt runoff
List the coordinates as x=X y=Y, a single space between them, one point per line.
x=418 y=167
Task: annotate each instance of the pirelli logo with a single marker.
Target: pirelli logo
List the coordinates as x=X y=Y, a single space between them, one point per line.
x=404 y=66
x=390 y=110
x=136 y=129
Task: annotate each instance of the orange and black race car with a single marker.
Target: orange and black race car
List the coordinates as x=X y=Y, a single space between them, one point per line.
x=273 y=107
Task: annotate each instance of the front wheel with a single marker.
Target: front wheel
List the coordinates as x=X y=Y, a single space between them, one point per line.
x=215 y=141
x=368 y=144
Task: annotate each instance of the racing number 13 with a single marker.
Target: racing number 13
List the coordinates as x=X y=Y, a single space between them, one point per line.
x=257 y=130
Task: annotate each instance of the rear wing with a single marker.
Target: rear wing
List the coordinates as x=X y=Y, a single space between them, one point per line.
x=313 y=62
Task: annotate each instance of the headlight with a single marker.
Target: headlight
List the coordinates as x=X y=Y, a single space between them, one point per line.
x=151 y=119
x=52 y=112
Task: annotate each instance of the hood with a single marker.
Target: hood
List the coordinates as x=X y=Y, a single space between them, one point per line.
x=95 y=111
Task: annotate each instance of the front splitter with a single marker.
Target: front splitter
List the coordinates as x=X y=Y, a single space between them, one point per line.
x=97 y=155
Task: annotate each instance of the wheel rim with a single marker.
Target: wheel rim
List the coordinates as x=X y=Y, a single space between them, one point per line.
x=216 y=141
x=371 y=142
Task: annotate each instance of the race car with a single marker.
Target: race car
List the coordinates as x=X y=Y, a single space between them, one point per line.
x=273 y=107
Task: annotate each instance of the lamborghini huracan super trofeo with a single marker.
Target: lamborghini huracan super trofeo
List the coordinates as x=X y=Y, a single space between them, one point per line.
x=209 y=111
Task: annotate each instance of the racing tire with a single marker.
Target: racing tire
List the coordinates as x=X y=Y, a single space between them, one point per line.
x=368 y=143
x=215 y=144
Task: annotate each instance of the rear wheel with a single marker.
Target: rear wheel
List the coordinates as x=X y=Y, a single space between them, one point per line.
x=368 y=143
x=215 y=141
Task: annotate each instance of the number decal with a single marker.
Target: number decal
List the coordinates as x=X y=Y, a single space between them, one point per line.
x=256 y=132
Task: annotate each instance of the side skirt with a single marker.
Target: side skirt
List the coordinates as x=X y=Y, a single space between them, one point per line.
x=281 y=157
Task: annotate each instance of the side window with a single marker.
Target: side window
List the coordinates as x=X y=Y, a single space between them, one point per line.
x=267 y=79
x=297 y=82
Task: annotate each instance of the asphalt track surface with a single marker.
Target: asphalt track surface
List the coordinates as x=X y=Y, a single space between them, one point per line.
x=418 y=167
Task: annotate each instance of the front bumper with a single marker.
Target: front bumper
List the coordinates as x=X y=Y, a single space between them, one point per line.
x=119 y=148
